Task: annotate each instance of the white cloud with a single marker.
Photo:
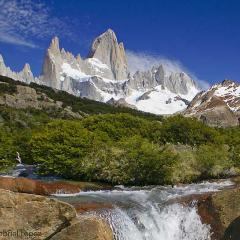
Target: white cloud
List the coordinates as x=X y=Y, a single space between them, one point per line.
x=24 y=20
x=204 y=85
x=144 y=61
x=16 y=40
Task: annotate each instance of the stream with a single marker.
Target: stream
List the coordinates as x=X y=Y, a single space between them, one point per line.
x=150 y=213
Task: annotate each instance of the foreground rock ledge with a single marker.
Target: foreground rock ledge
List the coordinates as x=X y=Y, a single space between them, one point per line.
x=27 y=216
x=26 y=185
x=222 y=211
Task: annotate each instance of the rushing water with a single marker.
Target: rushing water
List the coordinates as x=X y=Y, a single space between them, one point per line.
x=149 y=213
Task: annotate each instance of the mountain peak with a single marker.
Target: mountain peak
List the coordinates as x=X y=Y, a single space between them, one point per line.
x=106 y=49
x=228 y=82
x=105 y=40
x=1 y=59
x=54 y=45
x=27 y=68
x=109 y=33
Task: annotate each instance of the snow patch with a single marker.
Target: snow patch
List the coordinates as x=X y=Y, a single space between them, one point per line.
x=160 y=101
x=97 y=65
x=68 y=71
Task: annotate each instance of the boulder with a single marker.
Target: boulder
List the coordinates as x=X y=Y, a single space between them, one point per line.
x=232 y=232
x=86 y=228
x=83 y=207
x=220 y=210
x=32 y=215
x=27 y=216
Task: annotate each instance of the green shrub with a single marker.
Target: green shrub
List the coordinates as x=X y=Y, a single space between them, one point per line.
x=186 y=168
x=213 y=160
x=189 y=131
x=132 y=161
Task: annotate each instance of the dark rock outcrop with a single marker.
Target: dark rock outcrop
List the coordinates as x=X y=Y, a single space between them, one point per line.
x=233 y=230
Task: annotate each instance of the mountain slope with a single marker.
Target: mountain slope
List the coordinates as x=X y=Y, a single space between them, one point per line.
x=55 y=103
x=218 y=106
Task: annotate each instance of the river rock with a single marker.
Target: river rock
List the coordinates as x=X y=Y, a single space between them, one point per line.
x=32 y=214
x=27 y=216
x=86 y=228
x=232 y=232
x=25 y=185
x=83 y=207
x=219 y=210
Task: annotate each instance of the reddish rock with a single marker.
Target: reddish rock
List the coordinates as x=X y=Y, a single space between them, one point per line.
x=219 y=210
x=92 y=206
x=25 y=185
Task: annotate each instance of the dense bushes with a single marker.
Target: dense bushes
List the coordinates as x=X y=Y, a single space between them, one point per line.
x=119 y=148
x=188 y=131
x=123 y=149
x=70 y=149
x=131 y=161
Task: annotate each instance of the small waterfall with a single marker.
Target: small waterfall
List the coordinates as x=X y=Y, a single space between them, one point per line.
x=173 y=222
x=147 y=214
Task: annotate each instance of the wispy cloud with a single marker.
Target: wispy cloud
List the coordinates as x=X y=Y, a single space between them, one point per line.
x=24 y=20
x=144 y=61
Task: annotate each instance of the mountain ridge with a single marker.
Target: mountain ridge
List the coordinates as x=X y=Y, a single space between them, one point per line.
x=104 y=75
x=217 y=106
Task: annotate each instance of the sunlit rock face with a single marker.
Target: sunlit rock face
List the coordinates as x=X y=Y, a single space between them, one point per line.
x=218 y=106
x=24 y=76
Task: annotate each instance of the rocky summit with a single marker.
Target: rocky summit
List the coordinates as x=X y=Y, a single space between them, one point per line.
x=218 y=106
x=104 y=76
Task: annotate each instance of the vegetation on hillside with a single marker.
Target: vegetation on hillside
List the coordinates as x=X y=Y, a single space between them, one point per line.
x=116 y=145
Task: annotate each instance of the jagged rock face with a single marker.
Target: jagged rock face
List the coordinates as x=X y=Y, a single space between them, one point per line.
x=52 y=65
x=218 y=106
x=108 y=51
x=24 y=76
x=179 y=83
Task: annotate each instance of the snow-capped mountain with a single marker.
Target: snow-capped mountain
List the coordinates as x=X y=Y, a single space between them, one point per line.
x=104 y=76
x=219 y=105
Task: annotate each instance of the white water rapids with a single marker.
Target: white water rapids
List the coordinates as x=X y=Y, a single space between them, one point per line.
x=148 y=214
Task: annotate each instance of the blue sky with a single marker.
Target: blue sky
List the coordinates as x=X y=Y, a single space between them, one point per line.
x=203 y=36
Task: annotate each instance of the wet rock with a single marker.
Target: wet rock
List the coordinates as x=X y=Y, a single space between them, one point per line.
x=25 y=185
x=233 y=230
x=86 y=228
x=219 y=210
x=84 y=207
